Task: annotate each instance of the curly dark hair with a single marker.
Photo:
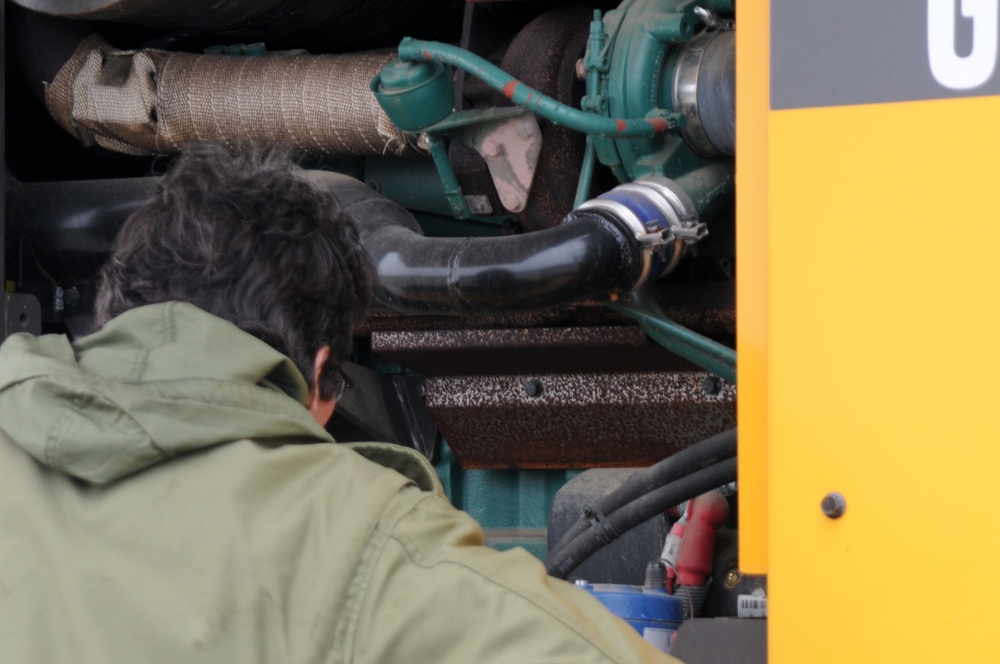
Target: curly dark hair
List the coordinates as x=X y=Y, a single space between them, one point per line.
x=240 y=234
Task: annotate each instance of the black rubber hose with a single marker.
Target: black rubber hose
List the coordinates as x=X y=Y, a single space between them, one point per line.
x=586 y=256
x=74 y=224
x=692 y=458
x=622 y=520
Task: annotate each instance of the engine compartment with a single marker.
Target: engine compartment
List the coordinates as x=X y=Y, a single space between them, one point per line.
x=557 y=277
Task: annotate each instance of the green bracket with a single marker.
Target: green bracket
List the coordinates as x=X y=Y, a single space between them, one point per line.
x=706 y=353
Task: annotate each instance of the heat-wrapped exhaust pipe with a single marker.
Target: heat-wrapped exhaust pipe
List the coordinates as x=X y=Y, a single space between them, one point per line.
x=611 y=244
x=152 y=102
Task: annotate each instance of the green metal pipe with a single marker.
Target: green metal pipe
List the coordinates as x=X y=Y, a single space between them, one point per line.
x=586 y=174
x=415 y=50
x=712 y=188
x=452 y=190
x=706 y=353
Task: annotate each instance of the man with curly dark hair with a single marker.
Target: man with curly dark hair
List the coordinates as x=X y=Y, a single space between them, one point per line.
x=168 y=492
x=244 y=236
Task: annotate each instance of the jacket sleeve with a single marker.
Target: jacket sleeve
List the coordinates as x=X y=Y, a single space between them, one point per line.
x=430 y=592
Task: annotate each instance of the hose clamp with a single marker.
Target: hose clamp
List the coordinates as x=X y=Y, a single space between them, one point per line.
x=678 y=210
x=685 y=94
x=660 y=215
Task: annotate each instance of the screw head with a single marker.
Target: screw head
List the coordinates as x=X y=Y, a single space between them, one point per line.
x=712 y=385
x=534 y=388
x=833 y=505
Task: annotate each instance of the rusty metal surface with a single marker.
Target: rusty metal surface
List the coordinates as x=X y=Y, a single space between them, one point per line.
x=577 y=420
x=619 y=348
x=578 y=386
x=543 y=55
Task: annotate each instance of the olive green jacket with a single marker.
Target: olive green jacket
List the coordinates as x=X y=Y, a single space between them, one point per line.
x=159 y=503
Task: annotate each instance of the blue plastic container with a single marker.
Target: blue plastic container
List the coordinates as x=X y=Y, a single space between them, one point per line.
x=651 y=612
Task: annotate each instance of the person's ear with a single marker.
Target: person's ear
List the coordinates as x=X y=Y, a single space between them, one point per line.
x=321 y=409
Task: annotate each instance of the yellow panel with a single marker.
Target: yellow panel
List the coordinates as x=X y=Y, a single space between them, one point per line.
x=882 y=335
x=751 y=282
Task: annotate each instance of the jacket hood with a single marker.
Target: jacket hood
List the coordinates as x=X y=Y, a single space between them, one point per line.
x=156 y=382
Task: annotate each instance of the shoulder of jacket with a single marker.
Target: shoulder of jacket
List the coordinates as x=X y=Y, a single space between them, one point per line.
x=407 y=462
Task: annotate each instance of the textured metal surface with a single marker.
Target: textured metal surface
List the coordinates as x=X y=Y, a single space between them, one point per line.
x=578 y=386
x=543 y=55
x=540 y=349
x=582 y=420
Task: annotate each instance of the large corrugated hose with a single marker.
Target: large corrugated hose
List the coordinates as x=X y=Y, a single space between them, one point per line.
x=152 y=102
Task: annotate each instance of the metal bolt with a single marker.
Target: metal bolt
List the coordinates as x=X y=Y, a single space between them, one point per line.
x=834 y=505
x=491 y=148
x=479 y=204
x=534 y=388
x=733 y=578
x=711 y=385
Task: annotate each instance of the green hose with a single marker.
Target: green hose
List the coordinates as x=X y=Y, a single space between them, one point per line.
x=415 y=50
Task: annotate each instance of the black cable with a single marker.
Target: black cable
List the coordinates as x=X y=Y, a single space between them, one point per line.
x=567 y=558
x=692 y=458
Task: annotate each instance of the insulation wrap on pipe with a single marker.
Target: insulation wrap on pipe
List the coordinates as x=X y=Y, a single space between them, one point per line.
x=152 y=102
